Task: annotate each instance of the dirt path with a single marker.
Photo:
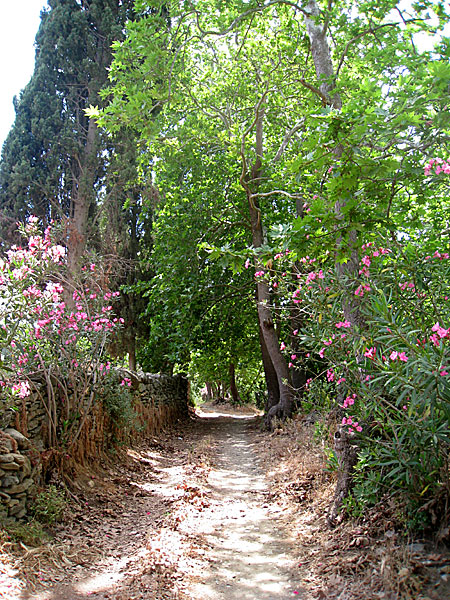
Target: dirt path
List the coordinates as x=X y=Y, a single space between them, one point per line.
x=185 y=519
x=250 y=555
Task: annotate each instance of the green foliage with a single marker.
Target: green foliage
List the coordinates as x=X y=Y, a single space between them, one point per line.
x=49 y=505
x=30 y=534
x=118 y=401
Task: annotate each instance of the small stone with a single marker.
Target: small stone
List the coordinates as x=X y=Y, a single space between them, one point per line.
x=10 y=466
x=20 y=487
x=19 y=458
x=4 y=497
x=6 y=458
x=13 y=502
x=19 y=512
x=9 y=480
x=22 y=441
x=26 y=467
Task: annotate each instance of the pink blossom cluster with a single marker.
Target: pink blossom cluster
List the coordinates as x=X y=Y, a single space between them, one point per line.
x=370 y=352
x=440 y=334
x=45 y=325
x=349 y=401
x=438 y=255
x=439 y=165
x=398 y=356
x=346 y=324
x=353 y=425
x=361 y=289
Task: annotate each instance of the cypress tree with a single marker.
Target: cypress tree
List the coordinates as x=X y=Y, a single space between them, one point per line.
x=53 y=158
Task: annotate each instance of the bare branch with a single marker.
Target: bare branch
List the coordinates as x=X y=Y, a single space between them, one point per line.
x=324 y=98
x=273 y=192
x=286 y=140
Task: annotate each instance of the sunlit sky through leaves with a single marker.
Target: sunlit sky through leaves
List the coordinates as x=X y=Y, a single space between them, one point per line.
x=19 y=22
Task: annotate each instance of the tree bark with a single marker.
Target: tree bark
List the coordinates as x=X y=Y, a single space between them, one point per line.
x=236 y=399
x=82 y=196
x=320 y=51
x=270 y=375
x=250 y=182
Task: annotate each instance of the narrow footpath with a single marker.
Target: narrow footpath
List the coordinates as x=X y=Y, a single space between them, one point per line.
x=184 y=517
x=250 y=552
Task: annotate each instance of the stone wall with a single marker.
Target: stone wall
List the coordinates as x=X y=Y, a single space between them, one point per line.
x=16 y=474
x=157 y=401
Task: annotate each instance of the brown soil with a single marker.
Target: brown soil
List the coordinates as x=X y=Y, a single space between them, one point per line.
x=220 y=510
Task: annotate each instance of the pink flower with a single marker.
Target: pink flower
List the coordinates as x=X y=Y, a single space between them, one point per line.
x=370 y=352
x=282 y=346
x=393 y=355
x=321 y=352
x=343 y=324
x=443 y=373
x=441 y=331
x=402 y=356
x=247 y=263
x=293 y=356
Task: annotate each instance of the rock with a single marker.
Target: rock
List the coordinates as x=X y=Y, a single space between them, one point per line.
x=21 y=495
x=13 y=502
x=4 y=497
x=8 y=441
x=20 y=487
x=18 y=512
x=6 y=458
x=9 y=480
x=22 y=442
x=26 y=467
x=10 y=466
x=19 y=458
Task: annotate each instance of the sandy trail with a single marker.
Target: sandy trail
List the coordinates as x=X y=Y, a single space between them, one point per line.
x=180 y=528
x=250 y=555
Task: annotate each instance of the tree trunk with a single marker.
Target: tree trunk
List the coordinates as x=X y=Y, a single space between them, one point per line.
x=270 y=375
x=346 y=454
x=321 y=54
x=82 y=196
x=250 y=182
x=131 y=347
x=236 y=399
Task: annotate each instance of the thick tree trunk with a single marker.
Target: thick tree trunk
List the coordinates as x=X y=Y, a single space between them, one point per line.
x=270 y=375
x=209 y=391
x=131 y=347
x=82 y=196
x=346 y=453
x=250 y=182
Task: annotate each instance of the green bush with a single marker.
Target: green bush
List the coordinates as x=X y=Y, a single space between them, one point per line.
x=49 y=505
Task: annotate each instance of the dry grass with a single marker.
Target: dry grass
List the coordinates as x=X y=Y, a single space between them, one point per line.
x=369 y=559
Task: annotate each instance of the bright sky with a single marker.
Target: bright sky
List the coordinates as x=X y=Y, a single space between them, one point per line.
x=19 y=22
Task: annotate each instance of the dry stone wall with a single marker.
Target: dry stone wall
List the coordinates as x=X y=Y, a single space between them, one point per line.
x=17 y=474
x=157 y=401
